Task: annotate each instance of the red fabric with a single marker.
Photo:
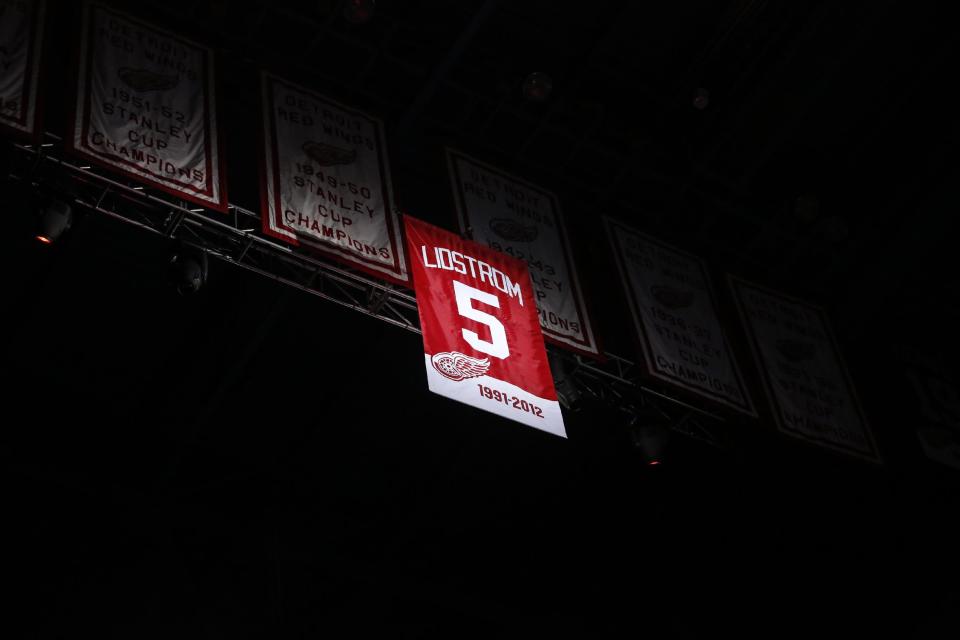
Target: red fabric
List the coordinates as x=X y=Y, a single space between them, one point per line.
x=442 y=324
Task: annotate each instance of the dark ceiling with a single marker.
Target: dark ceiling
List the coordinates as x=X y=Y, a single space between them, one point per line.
x=254 y=462
x=842 y=105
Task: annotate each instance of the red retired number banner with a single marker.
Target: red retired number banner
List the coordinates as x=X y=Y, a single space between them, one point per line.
x=146 y=106
x=481 y=333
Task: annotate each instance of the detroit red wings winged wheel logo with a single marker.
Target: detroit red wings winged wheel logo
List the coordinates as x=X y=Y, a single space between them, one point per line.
x=458 y=366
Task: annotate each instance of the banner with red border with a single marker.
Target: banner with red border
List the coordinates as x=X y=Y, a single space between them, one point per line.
x=326 y=180
x=146 y=106
x=523 y=220
x=674 y=309
x=21 y=42
x=806 y=380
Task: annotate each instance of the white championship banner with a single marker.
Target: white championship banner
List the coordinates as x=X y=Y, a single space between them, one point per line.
x=521 y=219
x=936 y=410
x=326 y=180
x=21 y=41
x=805 y=378
x=673 y=307
x=146 y=106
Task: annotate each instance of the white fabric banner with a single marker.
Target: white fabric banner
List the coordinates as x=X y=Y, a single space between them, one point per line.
x=327 y=179
x=21 y=38
x=671 y=299
x=511 y=215
x=146 y=106
x=500 y=397
x=808 y=385
x=937 y=407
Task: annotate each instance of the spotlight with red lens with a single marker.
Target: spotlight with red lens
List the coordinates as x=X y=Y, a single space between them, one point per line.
x=537 y=87
x=358 y=11
x=650 y=432
x=55 y=218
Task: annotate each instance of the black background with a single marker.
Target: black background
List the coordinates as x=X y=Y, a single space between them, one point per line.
x=254 y=462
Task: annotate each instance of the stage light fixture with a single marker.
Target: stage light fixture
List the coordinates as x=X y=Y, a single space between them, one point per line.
x=568 y=394
x=833 y=229
x=806 y=208
x=701 y=99
x=188 y=270
x=54 y=219
x=649 y=433
x=358 y=11
x=537 y=87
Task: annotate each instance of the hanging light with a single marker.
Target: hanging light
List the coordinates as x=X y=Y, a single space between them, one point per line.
x=358 y=11
x=833 y=229
x=806 y=208
x=188 y=270
x=568 y=393
x=701 y=99
x=537 y=87
x=649 y=433
x=55 y=219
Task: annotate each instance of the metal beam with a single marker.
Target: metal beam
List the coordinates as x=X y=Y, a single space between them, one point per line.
x=613 y=379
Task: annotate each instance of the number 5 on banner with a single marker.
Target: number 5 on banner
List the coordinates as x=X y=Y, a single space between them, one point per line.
x=497 y=347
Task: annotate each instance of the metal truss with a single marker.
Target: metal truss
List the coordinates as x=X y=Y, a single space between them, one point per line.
x=236 y=240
